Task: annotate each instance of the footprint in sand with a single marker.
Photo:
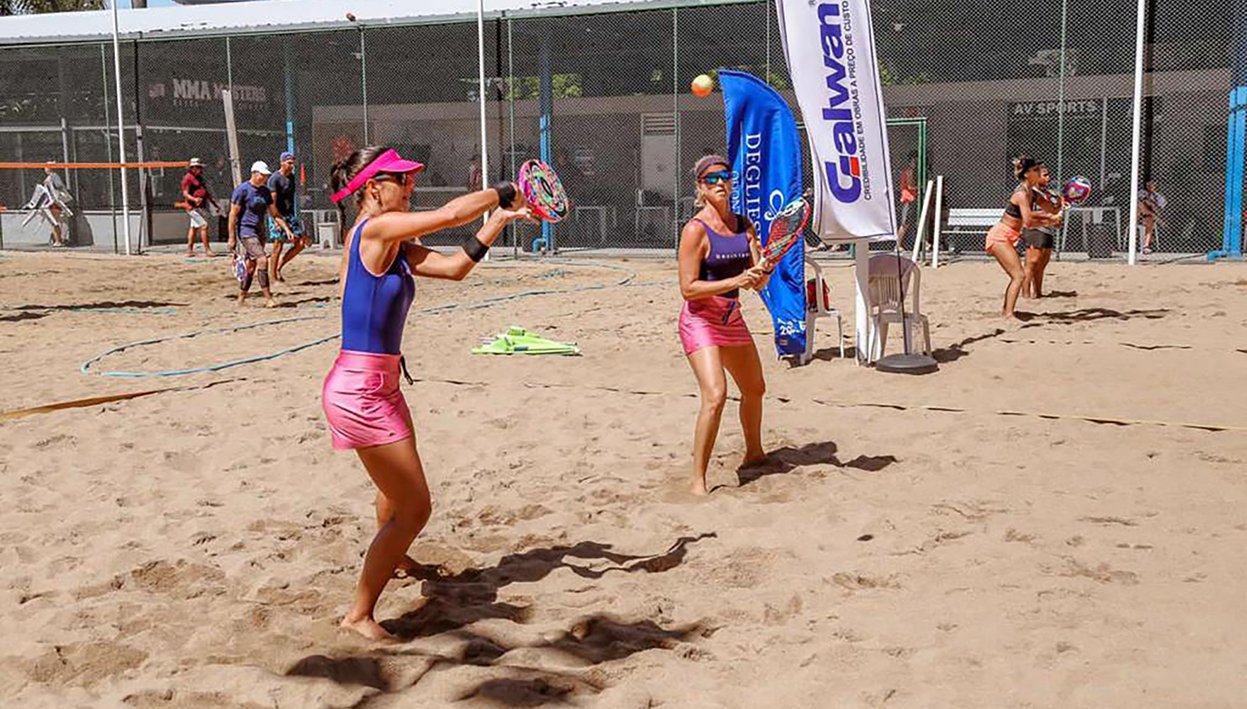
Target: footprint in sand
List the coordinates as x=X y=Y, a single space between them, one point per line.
x=82 y=664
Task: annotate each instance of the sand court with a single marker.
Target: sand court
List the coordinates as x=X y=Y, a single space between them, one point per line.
x=1055 y=518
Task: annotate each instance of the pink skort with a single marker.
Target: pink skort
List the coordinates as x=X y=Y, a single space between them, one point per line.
x=712 y=322
x=363 y=402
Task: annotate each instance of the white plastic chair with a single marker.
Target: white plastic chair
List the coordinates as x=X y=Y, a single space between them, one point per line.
x=887 y=288
x=819 y=309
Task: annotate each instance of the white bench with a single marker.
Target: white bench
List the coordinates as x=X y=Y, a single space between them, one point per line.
x=977 y=221
x=969 y=221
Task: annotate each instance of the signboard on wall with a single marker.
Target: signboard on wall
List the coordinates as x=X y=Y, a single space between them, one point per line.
x=193 y=99
x=1050 y=110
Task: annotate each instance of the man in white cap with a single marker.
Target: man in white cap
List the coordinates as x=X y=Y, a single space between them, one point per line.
x=196 y=197
x=250 y=202
x=282 y=185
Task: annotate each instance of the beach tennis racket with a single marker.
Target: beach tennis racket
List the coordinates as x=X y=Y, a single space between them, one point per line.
x=545 y=194
x=786 y=230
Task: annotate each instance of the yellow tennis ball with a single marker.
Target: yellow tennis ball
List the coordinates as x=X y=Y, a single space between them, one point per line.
x=702 y=85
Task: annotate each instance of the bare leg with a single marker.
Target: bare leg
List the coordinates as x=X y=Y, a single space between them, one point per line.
x=262 y=270
x=274 y=269
x=1045 y=255
x=385 y=512
x=190 y=241
x=708 y=367
x=1007 y=256
x=295 y=248
x=1028 y=273
x=1149 y=228
x=396 y=470
x=746 y=370
x=203 y=236
x=246 y=282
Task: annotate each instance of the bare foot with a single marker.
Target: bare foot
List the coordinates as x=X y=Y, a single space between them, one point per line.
x=753 y=458
x=270 y=303
x=278 y=277
x=406 y=568
x=699 y=488
x=210 y=254
x=190 y=254
x=368 y=628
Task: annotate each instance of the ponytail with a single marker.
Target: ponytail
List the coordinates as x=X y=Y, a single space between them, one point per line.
x=343 y=171
x=1023 y=164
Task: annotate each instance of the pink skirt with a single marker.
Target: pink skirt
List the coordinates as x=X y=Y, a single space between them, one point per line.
x=712 y=322
x=363 y=402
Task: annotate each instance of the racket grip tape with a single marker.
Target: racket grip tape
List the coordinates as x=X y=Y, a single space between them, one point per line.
x=506 y=194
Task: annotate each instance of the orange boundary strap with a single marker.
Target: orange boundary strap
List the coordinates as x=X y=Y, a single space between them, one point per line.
x=89 y=165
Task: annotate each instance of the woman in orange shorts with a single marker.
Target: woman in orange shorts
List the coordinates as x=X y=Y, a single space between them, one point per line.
x=1020 y=213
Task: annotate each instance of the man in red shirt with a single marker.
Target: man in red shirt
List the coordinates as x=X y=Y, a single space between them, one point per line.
x=194 y=194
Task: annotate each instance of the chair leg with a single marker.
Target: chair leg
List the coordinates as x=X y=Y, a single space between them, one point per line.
x=926 y=336
x=809 y=338
x=883 y=337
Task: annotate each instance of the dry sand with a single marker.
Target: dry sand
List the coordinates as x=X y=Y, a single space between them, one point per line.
x=195 y=548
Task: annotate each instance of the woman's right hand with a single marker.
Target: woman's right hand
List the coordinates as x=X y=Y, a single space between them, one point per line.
x=509 y=215
x=750 y=278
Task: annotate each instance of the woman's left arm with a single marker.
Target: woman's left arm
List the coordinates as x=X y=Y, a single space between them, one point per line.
x=456 y=266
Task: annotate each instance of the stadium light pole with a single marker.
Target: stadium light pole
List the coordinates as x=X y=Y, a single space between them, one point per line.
x=121 y=133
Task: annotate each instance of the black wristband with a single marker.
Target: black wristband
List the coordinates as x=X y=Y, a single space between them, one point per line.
x=475 y=250
x=506 y=194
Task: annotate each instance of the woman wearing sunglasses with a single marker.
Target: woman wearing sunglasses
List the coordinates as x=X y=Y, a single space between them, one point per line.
x=719 y=251
x=361 y=396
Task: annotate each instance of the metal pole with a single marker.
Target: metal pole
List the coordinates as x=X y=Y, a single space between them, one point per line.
x=480 y=54
x=546 y=99
x=285 y=63
x=768 y=45
x=937 y=230
x=231 y=136
x=922 y=219
x=675 y=110
x=108 y=144
x=363 y=79
x=515 y=238
x=1060 y=111
x=1103 y=142
x=1136 y=128
x=121 y=134
x=480 y=88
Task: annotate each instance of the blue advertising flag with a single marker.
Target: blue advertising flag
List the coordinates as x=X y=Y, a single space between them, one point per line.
x=765 y=150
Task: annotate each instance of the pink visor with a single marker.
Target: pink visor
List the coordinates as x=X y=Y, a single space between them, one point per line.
x=389 y=161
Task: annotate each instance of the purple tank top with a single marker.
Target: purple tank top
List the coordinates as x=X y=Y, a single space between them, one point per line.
x=729 y=255
x=374 y=308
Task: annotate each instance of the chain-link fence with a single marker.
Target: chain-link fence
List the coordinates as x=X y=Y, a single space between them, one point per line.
x=604 y=97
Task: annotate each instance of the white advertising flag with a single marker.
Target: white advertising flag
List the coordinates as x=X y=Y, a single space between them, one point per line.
x=830 y=48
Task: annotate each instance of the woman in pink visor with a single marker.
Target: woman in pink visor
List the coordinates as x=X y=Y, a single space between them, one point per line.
x=361 y=396
x=719 y=253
